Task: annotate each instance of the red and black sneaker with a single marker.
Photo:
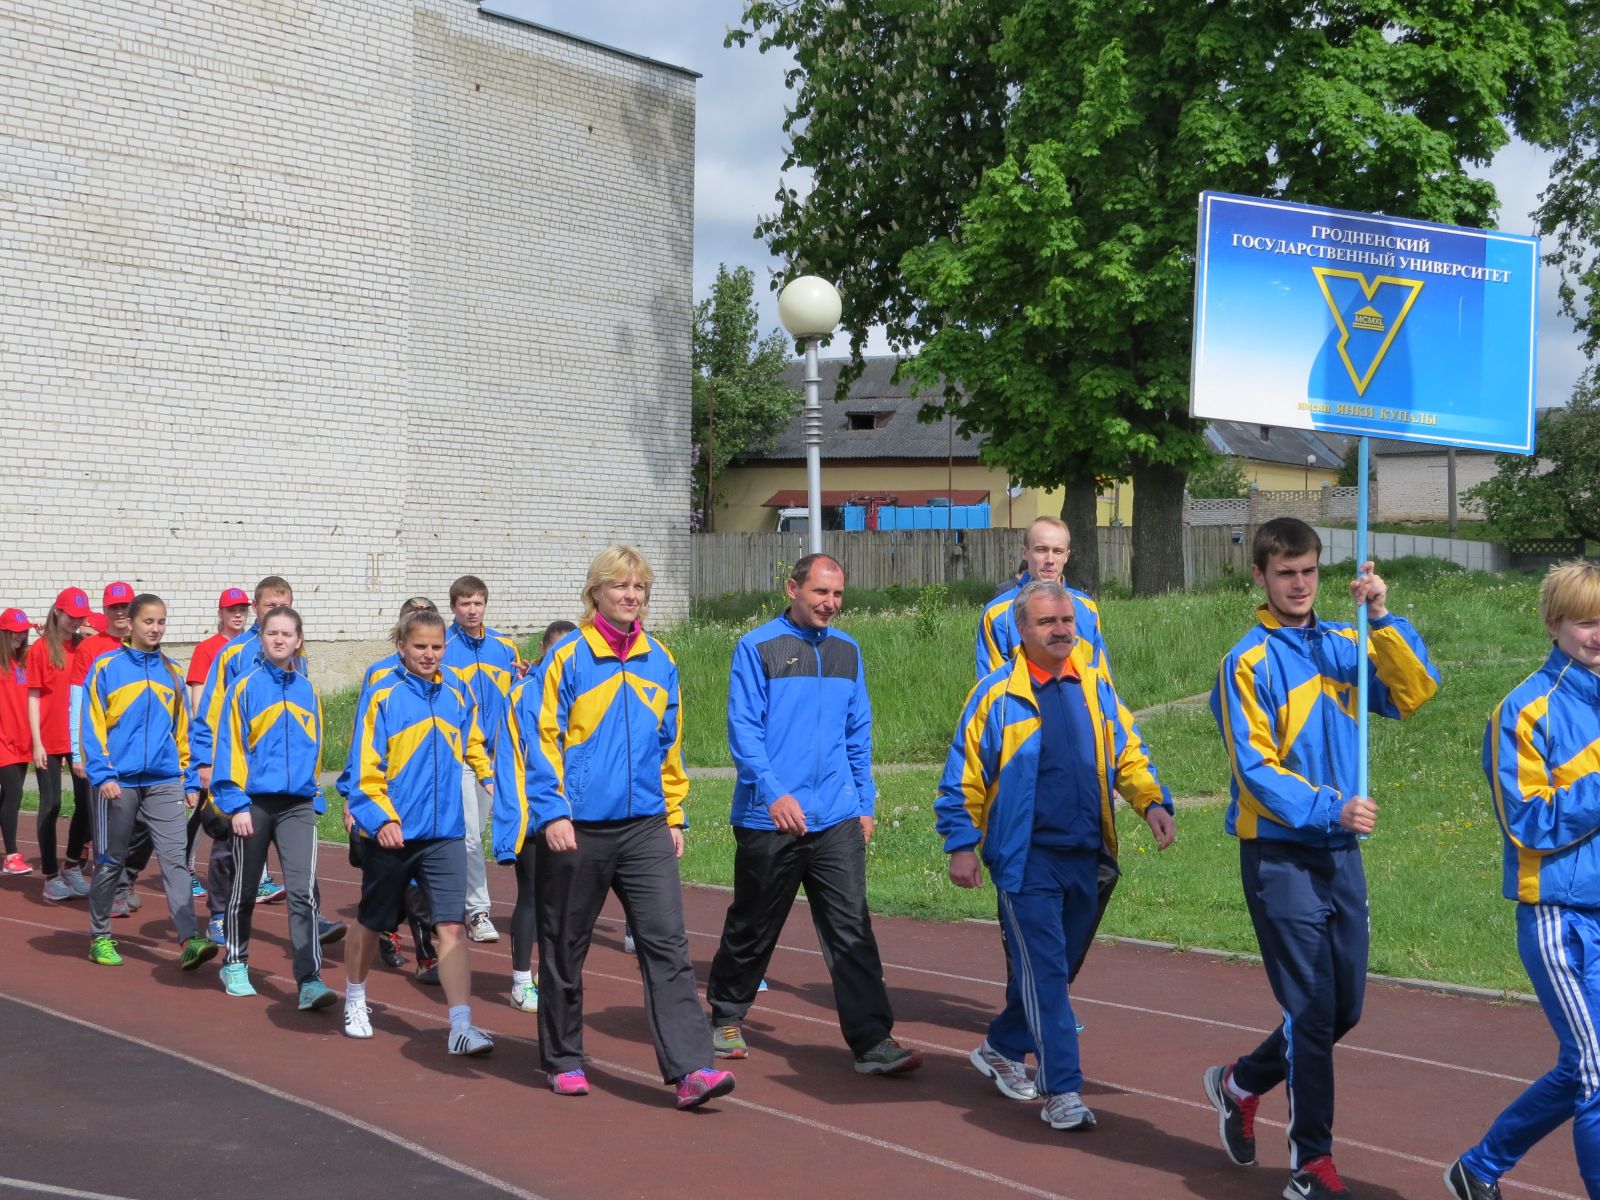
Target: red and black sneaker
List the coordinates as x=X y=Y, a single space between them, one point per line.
x=1317 y=1180
x=389 y=950
x=1236 y=1118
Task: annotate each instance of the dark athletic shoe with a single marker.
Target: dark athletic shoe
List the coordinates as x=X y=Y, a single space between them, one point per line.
x=1236 y=1119
x=1464 y=1185
x=389 y=950
x=329 y=932
x=1317 y=1180
x=888 y=1057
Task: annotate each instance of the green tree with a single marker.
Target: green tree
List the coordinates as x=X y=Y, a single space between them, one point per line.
x=1222 y=478
x=1014 y=183
x=741 y=402
x=1350 y=466
x=1557 y=491
x=1569 y=212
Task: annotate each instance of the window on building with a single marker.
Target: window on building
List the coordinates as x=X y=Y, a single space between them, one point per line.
x=867 y=420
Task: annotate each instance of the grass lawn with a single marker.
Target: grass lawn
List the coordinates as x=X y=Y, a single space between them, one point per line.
x=1433 y=866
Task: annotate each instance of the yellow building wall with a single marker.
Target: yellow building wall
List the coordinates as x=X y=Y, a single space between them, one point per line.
x=745 y=491
x=1282 y=477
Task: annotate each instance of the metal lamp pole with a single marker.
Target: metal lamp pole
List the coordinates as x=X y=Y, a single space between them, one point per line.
x=809 y=308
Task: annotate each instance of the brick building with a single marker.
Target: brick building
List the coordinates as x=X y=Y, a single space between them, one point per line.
x=367 y=293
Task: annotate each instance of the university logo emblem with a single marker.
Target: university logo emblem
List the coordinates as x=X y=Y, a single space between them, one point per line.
x=1366 y=334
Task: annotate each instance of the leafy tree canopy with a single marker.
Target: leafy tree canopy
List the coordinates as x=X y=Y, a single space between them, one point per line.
x=1013 y=183
x=1557 y=491
x=1220 y=478
x=741 y=402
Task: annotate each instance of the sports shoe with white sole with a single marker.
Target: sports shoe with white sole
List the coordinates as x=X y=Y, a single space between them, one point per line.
x=481 y=929
x=1236 y=1119
x=525 y=997
x=357 y=1020
x=470 y=1041
x=1010 y=1077
x=1066 y=1110
x=75 y=880
x=57 y=889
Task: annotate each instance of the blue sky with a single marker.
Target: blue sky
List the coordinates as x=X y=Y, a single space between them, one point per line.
x=739 y=149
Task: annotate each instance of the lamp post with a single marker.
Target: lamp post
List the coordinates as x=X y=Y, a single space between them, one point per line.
x=809 y=309
x=1311 y=461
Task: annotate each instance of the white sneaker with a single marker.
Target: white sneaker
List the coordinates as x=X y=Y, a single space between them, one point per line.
x=73 y=876
x=357 y=1020
x=1066 y=1110
x=481 y=929
x=1010 y=1076
x=470 y=1041
x=627 y=942
x=525 y=997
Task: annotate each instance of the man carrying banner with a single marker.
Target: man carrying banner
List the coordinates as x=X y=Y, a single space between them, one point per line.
x=1285 y=702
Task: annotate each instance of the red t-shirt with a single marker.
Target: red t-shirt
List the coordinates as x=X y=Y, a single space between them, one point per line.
x=91 y=648
x=204 y=655
x=16 y=739
x=54 y=695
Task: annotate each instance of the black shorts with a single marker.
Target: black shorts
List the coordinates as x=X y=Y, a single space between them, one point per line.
x=438 y=864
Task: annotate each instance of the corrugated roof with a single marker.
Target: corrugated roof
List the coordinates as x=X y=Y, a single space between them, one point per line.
x=895 y=431
x=907 y=497
x=1278 y=445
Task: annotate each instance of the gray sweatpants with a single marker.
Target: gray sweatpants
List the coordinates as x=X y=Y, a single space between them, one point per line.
x=290 y=823
x=162 y=809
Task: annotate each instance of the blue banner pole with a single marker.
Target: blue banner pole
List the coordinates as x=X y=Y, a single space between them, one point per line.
x=1361 y=624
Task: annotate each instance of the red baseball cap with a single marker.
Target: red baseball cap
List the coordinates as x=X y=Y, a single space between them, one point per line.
x=14 y=620
x=116 y=593
x=74 y=602
x=96 y=621
x=232 y=598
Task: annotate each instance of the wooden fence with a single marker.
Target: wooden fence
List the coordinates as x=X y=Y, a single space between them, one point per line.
x=755 y=562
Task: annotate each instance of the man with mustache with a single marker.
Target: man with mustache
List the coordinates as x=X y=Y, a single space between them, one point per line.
x=1027 y=789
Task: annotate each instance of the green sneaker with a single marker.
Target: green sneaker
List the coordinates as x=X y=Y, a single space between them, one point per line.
x=728 y=1042
x=888 y=1057
x=103 y=952
x=316 y=994
x=236 y=980
x=196 y=951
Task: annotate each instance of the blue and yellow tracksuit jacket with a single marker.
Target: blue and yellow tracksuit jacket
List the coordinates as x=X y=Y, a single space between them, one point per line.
x=489 y=666
x=986 y=795
x=1285 y=702
x=1541 y=753
x=412 y=735
x=269 y=742
x=372 y=675
x=800 y=724
x=135 y=724
x=591 y=737
x=998 y=637
x=232 y=661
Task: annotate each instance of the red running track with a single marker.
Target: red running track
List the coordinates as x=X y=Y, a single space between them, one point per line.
x=148 y=1083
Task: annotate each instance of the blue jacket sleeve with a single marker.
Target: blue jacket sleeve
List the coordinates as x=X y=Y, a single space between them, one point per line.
x=545 y=736
x=1265 y=786
x=1402 y=678
x=511 y=812
x=747 y=724
x=230 y=773
x=96 y=732
x=208 y=712
x=858 y=740
x=369 y=803
x=961 y=809
x=1538 y=811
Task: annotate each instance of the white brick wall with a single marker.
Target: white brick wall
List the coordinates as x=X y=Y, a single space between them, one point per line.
x=366 y=293
x=1415 y=487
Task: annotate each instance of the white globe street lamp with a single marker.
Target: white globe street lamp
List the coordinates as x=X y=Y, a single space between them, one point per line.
x=809 y=308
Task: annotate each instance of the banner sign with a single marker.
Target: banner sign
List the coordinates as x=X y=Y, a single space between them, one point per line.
x=1315 y=318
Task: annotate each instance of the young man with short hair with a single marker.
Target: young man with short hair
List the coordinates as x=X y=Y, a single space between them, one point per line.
x=1285 y=703
x=487 y=662
x=1046 y=546
x=800 y=731
x=1539 y=756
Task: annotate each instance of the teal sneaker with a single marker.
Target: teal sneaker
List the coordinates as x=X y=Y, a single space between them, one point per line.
x=236 y=980
x=316 y=994
x=196 y=950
